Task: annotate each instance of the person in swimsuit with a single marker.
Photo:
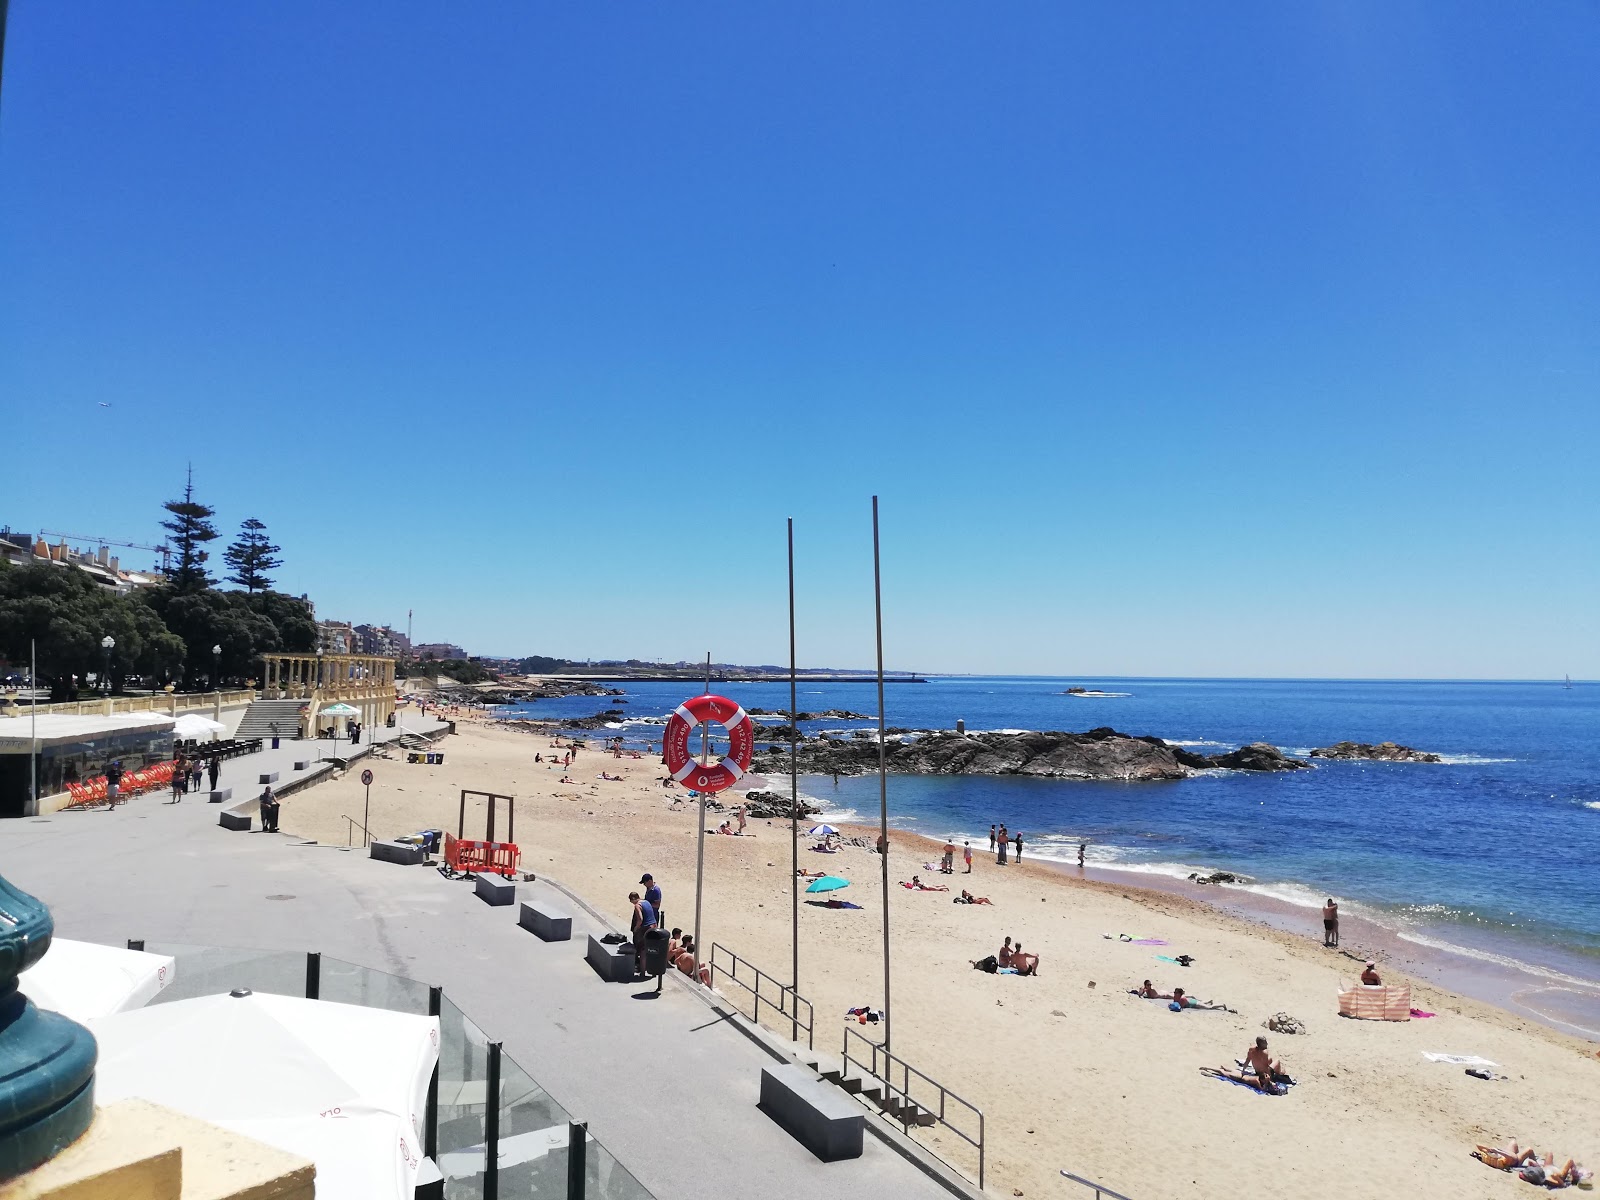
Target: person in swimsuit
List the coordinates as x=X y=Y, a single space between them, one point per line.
x=1330 y=923
x=1147 y=990
x=1004 y=956
x=1026 y=964
x=1003 y=845
x=1370 y=976
x=1265 y=1067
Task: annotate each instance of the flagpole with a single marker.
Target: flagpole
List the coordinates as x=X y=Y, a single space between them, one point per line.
x=794 y=810
x=700 y=841
x=33 y=725
x=883 y=774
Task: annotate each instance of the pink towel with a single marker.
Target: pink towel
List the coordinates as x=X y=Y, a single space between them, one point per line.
x=1150 y=942
x=1417 y=1012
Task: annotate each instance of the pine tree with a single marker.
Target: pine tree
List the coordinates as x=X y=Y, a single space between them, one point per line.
x=191 y=528
x=251 y=557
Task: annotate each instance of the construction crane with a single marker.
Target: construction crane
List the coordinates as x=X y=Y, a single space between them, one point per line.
x=164 y=550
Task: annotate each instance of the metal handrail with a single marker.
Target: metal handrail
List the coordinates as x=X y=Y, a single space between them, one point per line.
x=893 y=1061
x=350 y=831
x=792 y=1013
x=1101 y=1192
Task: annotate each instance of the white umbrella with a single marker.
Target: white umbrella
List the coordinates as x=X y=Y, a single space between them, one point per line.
x=342 y=1085
x=83 y=981
x=821 y=831
x=193 y=727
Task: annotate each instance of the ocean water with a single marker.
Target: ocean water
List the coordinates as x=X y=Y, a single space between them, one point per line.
x=1493 y=851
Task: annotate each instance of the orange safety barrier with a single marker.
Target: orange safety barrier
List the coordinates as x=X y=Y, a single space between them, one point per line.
x=499 y=858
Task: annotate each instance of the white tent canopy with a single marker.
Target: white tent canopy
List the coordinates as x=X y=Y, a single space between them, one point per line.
x=194 y=727
x=83 y=980
x=342 y=1085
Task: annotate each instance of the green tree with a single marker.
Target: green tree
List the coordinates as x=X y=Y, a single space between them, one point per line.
x=251 y=557
x=65 y=614
x=191 y=529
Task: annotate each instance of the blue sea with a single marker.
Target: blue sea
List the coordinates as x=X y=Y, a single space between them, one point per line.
x=1493 y=851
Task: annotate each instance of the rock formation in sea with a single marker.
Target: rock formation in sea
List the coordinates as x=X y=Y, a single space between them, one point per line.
x=1098 y=754
x=1382 y=752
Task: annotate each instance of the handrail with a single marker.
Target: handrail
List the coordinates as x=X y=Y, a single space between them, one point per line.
x=890 y=1063
x=350 y=831
x=1101 y=1192
x=796 y=1023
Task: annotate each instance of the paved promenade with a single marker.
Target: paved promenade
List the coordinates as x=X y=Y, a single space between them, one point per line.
x=665 y=1084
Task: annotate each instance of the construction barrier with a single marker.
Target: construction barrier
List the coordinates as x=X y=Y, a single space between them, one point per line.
x=498 y=858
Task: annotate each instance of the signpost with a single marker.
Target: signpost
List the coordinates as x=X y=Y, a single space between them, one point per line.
x=366 y=782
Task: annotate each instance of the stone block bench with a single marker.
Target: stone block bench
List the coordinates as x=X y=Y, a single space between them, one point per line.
x=817 y=1115
x=302 y=764
x=495 y=889
x=546 y=922
x=238 y=817
x=613 y=963
x=268 y=777
x=404 y=853
x=221 y=795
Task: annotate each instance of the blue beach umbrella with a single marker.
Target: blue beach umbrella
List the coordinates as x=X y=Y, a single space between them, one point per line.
x=828 y=883
x=821 y=831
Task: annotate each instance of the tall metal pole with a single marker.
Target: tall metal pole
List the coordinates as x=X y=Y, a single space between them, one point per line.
x=33 y=710
x=700 y=843
x=883 y=773
x=794 y=807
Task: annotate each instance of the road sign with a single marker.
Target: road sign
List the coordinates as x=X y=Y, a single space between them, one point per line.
x=366 y=778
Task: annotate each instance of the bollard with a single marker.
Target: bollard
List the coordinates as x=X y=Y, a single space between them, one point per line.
x=577 y=1169
x=313 y=975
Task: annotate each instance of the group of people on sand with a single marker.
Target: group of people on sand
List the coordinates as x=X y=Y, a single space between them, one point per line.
x=1531 y=1168
x=1256 y=1069
x=1011 y=960
x=727 y=826
x=1001 y=841
x=948 y=857
x=1179 y=998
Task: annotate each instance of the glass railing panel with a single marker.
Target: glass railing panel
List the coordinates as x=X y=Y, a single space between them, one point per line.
x=463 y=1099
x=217 y=970
x=348 y=983
x=533 y=1138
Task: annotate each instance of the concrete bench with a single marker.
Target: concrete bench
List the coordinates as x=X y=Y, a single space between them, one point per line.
x=302 y=764
x=221 y=795
x=547 y=923
x=404 y=853
x=232 y=818
x=615 y=964
x=817 y=1115
x=268 y=777
x=495 y=889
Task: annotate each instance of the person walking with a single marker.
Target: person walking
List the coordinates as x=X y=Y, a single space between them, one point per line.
x=1330 y=923
x=196 y=770
x=652 y=895
x=1017 y=838
x=214 y=770
x=178 y=776
x=113 y=784
x=1083 y=844
x=1004 y=844
x=991 y=839
x=966 y=853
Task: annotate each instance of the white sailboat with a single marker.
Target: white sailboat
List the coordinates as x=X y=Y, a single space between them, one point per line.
x=1568 y=684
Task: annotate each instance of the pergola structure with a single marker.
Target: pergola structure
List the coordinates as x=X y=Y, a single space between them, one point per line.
x=363 y=681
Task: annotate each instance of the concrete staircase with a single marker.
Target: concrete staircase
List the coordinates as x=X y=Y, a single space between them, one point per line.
x=258 y=718
x=869 y=1089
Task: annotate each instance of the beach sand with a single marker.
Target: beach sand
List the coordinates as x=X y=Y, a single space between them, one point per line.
x=1069 y=1069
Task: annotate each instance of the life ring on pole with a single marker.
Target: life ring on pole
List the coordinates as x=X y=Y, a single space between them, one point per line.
x=681 y=763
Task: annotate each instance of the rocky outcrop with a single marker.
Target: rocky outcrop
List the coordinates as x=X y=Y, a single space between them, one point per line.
x=833 y=714
x=599 y=721
x=1257 y=756
x=1098 y=754
x=771 y=805
x=1382 y=752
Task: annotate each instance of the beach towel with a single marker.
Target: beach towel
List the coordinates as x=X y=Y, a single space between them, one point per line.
x=1150 y=942
x=1418 y=1014
x=1459 y=1060
x=1183 y=960
x=1389 y=1002
x=1213 y=1073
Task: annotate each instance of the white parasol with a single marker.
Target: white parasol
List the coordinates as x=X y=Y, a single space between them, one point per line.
x=83 y=980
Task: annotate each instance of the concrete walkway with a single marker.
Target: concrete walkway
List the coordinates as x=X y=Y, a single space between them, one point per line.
x=666 y=1085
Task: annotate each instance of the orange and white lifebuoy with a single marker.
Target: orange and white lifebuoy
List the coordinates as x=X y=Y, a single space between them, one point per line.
x=712 y=777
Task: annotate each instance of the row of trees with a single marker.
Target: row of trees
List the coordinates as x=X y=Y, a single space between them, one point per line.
x=163 y=634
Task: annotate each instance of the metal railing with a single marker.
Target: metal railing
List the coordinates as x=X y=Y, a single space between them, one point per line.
x=1101 y=1192
x=350 y=830
x=797 y=1012
x=936 y=1105
x=171 y=703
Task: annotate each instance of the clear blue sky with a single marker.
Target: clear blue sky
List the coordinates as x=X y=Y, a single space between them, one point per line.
x=1257 y=339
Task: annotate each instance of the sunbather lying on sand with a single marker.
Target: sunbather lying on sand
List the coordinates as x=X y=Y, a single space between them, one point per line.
x=916 y=885
x=1530 y=1167
x=967 y=897
x=1182 y=1000
x=1147 y=991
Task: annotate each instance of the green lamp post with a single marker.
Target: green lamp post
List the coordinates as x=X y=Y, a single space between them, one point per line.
x=46 y=1061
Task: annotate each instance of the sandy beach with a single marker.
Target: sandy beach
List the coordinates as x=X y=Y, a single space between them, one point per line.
x=1070 y=1070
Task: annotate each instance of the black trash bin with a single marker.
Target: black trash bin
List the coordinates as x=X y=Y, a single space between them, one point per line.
x=274 y=743
x=655 y=951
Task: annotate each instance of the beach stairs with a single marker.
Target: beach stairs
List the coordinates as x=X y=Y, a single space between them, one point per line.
x=258 y=718
x=867 y=1088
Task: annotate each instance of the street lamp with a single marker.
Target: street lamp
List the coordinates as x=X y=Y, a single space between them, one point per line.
x=107 y=643
x=216 y=668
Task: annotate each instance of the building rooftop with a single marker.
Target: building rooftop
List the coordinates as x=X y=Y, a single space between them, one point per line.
x=18 y=734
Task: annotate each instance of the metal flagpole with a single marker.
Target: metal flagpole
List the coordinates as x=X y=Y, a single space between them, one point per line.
x=700 y=840
x=883 y=774
x=33 y=726
x=794 y=809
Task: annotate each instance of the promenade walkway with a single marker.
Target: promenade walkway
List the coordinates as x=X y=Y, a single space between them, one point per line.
x=668 y=1086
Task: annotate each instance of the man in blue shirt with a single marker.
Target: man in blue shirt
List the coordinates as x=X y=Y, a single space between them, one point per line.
x=644 y=920
x=652 y=893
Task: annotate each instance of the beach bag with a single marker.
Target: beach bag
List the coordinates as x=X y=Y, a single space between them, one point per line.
x=990 y=964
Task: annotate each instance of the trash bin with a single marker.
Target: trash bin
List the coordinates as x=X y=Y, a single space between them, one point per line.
x=274 y=742
x=655 y=951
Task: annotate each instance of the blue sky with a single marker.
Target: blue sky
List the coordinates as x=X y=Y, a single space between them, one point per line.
x=1252 y=340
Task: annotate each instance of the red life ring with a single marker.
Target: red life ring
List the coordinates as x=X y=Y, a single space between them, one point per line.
x=681 y=764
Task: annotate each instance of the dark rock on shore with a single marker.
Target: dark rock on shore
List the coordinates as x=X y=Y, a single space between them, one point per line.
x=1098 y=754
x=833 y=714
x=1257 y=756
x=598 y=721
x=771 y=805
x=1382 y=752
x=778 y=733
